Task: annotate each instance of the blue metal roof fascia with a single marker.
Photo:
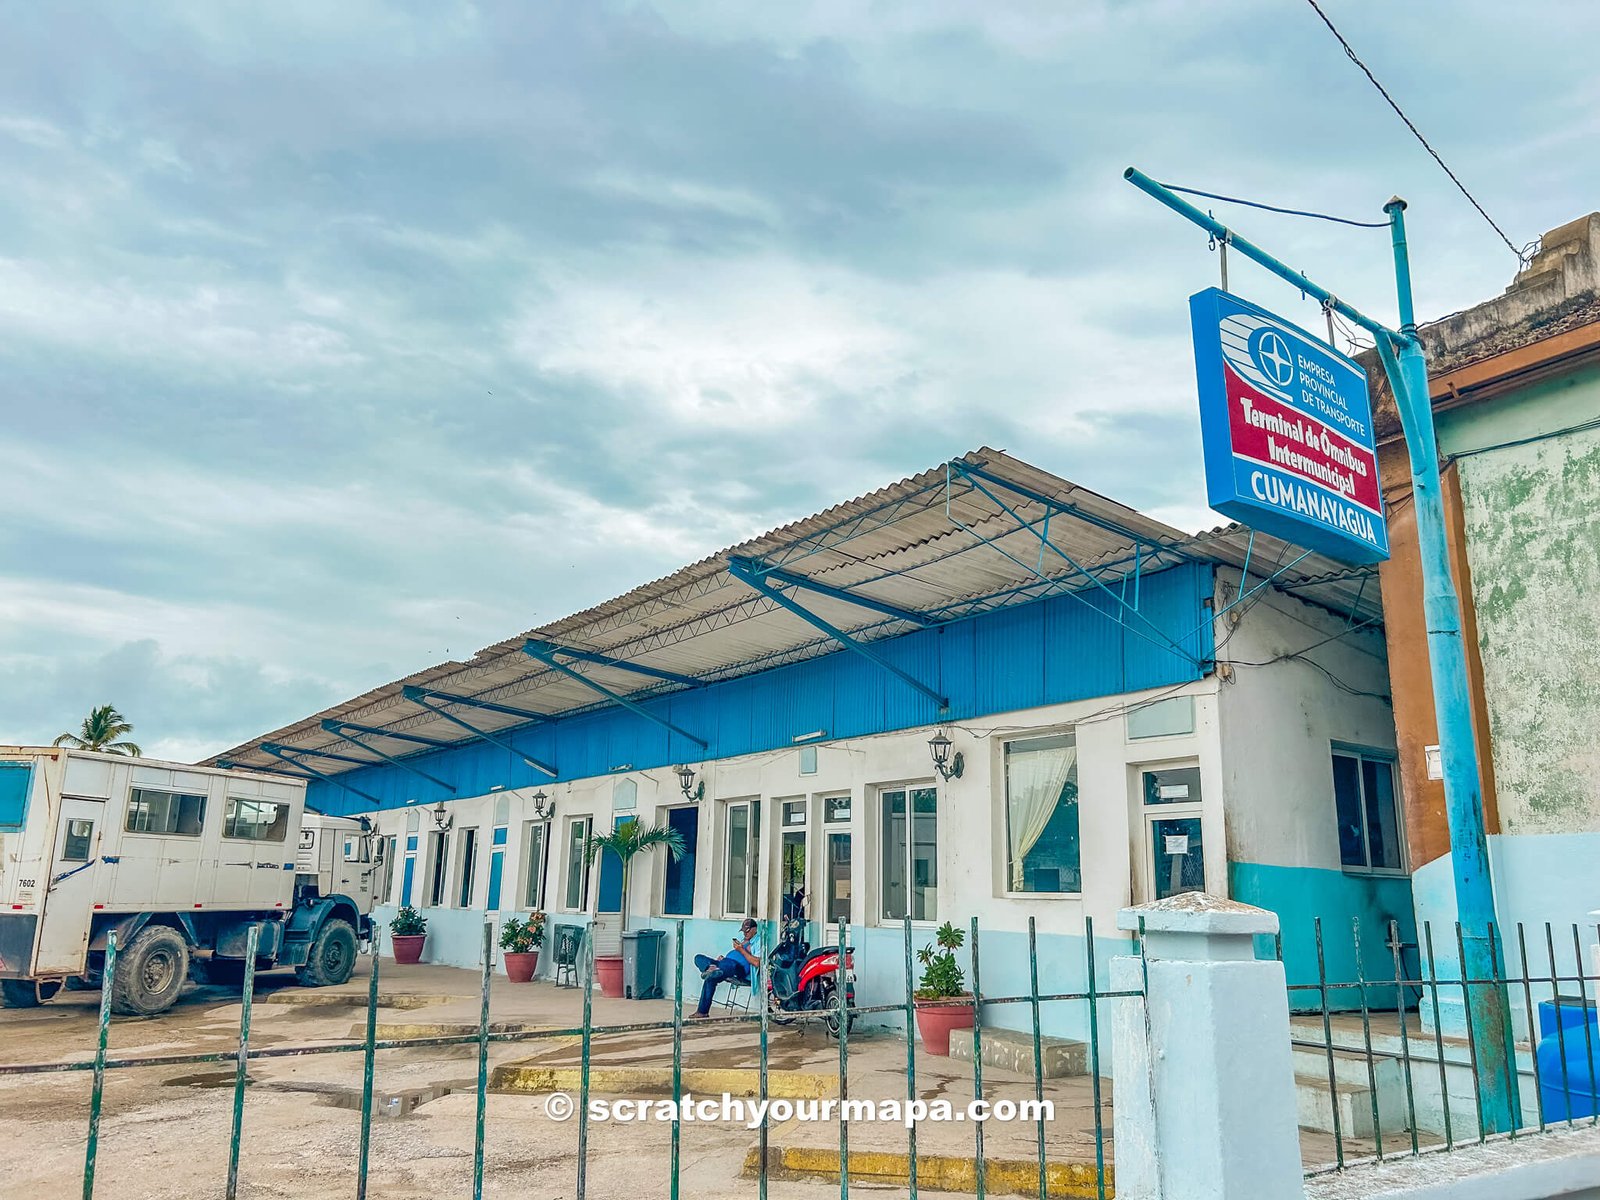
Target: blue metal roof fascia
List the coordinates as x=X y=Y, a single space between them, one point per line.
x=335 y=728
x=790 y=579
x=747 y=575
x=281 y=753
x=547 y=656
x=417 y=697
x=542 y=651
x=474 y=702
x=1045 y=542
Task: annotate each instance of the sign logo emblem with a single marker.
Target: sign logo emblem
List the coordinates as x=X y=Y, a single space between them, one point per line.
x=1274 y=359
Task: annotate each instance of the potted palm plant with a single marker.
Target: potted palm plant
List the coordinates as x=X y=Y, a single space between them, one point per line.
x=521 y=941
x=627 y=841
x=407 y=932
x=942 y=1000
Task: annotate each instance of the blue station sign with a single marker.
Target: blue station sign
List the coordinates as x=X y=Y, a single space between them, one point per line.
x=1287 y=428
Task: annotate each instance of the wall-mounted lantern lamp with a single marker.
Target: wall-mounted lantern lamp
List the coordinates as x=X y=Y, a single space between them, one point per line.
x=442 y=820
x=949 y=768
x=540 y=811
x=691 y=790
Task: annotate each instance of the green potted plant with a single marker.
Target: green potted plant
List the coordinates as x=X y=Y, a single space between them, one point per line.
x=407 y=932
x=627 y=841
x=521 y=941
x=942 y=1000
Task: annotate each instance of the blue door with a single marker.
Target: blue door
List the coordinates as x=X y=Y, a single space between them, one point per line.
x=611 y=877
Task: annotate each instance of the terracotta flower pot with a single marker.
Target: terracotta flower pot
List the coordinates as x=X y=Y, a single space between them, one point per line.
x=937 y=1018
x=608 y=972
x=521 y=968
x=407 y=946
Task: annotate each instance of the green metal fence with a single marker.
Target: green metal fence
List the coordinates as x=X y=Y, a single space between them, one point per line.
x=1091 y=999
x=1393 y=1025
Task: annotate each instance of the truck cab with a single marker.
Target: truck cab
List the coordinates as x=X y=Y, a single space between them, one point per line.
x=179 y=862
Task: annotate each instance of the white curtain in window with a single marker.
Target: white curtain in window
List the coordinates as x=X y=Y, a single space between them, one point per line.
x=1034 y=780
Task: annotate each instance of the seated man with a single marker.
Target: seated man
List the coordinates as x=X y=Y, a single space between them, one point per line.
x=739 y=963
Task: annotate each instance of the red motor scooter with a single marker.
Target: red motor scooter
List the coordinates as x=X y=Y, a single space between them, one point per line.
x=806 y=981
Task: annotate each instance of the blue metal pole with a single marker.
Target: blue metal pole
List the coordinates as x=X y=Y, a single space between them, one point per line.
x=1487 y=1012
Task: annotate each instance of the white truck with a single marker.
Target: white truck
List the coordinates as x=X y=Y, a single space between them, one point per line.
x=180 y=861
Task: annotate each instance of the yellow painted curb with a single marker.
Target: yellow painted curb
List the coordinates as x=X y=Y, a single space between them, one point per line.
x=702 y=1081
x=936 y=1172
x=322 y=998
x=394 y=1031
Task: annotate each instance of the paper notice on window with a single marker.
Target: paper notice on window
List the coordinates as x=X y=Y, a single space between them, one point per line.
x=1174 y=791
x=1177 y=843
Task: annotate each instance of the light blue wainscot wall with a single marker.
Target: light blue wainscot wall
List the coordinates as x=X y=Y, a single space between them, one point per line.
x=1045 y=652
x=1344 y=902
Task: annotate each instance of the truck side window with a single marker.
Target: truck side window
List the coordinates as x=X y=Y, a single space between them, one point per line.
x=150 y=811
x=80 y=837
x=255 y=820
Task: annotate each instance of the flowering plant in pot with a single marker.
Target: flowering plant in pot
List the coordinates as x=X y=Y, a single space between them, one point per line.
x=407 y=932
x=942 y=1000
x=627 y=841
x=521 y=941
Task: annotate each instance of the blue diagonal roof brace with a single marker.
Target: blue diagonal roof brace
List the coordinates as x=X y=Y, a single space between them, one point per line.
x=546 y=654
x=418 y=697
x=474 y=702
x=336 y=728
x=790 y=579
x=541 y=650
x=281 y=753
x=748 y=575
x=344 y=758
x=333 y=726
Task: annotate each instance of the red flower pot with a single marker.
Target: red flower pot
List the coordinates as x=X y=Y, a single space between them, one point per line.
x=521 y=968
x=608 y=971
x=936 y=1019
x=407 y=946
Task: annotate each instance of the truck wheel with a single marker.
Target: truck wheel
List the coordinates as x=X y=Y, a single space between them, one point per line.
x=150 y=973
x=27 y=993
x=333 y=955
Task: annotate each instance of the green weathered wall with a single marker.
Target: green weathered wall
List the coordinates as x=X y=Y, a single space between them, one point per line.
x=1533 y=540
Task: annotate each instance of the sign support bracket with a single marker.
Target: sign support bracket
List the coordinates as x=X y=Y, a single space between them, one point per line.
x=1488 y=1012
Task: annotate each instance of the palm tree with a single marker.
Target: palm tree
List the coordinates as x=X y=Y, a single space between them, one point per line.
x=101 y=730
x=629 y=839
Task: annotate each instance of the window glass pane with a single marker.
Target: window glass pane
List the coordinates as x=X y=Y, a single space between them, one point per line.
x=1042 y=815
x=469 y=863
x=924 y=855
x=836 y=810
x=838 y=908
x=1179 y=864
x=735 y=895
x=1347 y=807
x=577 y=869
x=436 y=869
x=260 y=821
x=792 y=877
x=1383 y=835
x=677 y=896
x=533 y=865
x=808 y=760
x=1174 y=785
x=80 y=836
x=794 y=813
x=894 y=843
x=150 y=811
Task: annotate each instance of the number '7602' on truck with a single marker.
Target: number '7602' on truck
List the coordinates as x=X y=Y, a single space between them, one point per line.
x=179 y=861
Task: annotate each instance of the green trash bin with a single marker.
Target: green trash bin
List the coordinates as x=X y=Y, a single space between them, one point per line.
x=642 y=953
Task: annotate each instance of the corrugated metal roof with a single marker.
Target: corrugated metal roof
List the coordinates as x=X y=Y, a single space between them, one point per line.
x=941 y=544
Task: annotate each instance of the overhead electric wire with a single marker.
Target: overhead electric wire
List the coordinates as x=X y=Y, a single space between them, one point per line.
x=1417 y=133
x=1290 y=212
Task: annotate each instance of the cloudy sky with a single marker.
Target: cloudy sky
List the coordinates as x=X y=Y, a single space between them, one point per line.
x=336 y=340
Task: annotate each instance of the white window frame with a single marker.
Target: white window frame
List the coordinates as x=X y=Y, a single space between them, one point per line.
x=752 y=857
x=466 y=872
x=584 y=872
x=882 y=793
x=1365 y=754
x=534 y=875
x=1004 y=832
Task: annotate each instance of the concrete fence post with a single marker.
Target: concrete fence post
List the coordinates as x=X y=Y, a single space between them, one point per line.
x=1205 y=1099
